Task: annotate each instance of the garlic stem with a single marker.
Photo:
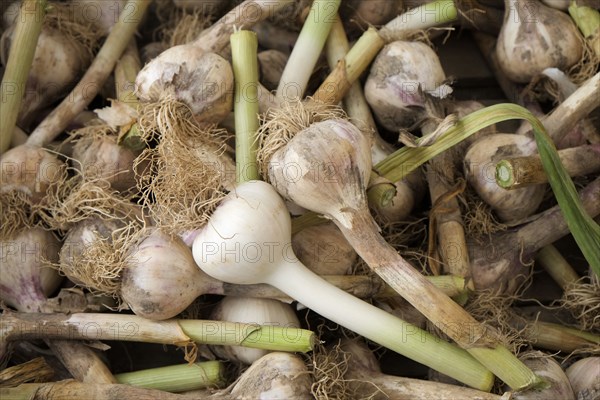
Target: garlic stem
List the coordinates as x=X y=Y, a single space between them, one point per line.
x=516 y=172
x=131 y=328
x=452 y=243
x=556 y=266
x=92 y=81
x=354 y=102
x=69 y=390
x=425 y=16
x=349 y=69
x=216 y=38
x=307 y=50
x=22 y=49
x=244 y=47
x=556 y=337
x=176 y=378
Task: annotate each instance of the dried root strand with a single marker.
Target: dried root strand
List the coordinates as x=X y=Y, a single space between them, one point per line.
x=280 y=125
x=16 y=214
x=187 y=173
x=80 y=198
x=99 y=265
x=582 y=299
x=74 y=25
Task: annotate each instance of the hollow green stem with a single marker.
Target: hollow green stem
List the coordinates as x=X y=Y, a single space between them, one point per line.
x=307 y=50
x=176 y=378
x=22 y=49
x=244 y=47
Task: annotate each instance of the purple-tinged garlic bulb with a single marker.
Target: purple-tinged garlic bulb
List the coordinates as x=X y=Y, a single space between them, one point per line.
x=535 y=37
x=399 y=75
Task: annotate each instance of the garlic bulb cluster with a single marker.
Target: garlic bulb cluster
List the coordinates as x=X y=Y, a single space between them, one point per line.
x=31 y=170
x=203 y=81
x=252 y=311
x=535 y=37
x=324 y=250
x=398 y=77
x=479 y=166
x=26 y=273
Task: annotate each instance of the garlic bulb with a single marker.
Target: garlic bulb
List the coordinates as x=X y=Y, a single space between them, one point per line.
x=324 y=250
x=252 y=311
x=535 y=37
x=31 y=170
x=271 y=64
x=317 y=140
x=584 y=377
x=156 y=282
x=479 y=165
x=26 y=275
x=102 y=157
x=275 y=376
x=550 y=371
x=78 y=239
x=203 y=81
x=57 y=65
x=398 y=75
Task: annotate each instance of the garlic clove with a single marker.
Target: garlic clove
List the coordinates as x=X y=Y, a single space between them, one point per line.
x=535 y=37
x=26 y=274
x=399 y=74
x=203 y=81
x=252 y=311
x=479 y=166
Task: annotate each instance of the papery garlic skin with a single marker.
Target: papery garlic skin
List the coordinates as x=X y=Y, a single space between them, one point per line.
x=544 y=366
x=584 y=376
x=275 y=376
x=102 y=157
x=324 y=250
x=479 y=165
x=535 y=37
x=252 y=311
x=57 y=65
x=26 y=274
x=203 y=81
x=398 y=76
